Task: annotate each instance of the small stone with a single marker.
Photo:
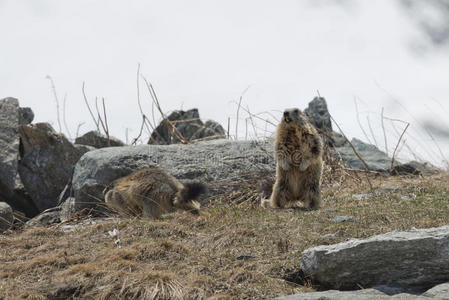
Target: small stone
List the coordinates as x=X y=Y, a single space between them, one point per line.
x=330 y=236
x=343 y=219
x=361 y=196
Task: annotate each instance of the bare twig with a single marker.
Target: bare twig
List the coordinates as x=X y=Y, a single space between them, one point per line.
x=355 y=152
x=53 y=88
x=443 y=157
x=96 y=122
x=358 y=120
x=397 y=145
x=252 y=122
x=78 y=129
x=229 y=124
x=238 y=110
x=106 y=123
x=383 y=129
x=64 y=118
x=415 y=156
x=371 y=130
x=153 y=95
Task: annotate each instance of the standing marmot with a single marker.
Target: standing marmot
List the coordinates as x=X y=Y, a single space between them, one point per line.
x=151 y=192
x=299 y=162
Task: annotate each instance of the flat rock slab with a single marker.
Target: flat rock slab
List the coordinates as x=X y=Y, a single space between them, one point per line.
x=344 y=219
x=221 y=164
x=368 y=294
x=413 y=260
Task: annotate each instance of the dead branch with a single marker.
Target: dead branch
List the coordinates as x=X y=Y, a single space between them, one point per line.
x=383 y=129
x=358 y=120
x=78 y=129
x=64 y=120
x=397 y=145
x=371 y=130
x=355 y=152
x=96 y=122
x=53 y=88
x=153 y=95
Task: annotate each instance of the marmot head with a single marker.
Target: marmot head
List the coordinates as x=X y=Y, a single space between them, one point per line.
x=294 y=116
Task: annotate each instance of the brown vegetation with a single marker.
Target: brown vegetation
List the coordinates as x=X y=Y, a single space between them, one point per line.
x=233 y=250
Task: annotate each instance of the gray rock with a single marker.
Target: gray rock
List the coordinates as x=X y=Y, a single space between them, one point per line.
x=189 y=125
x=375 y=159
x=366 y=294
x=440 y=291
x=362 y=196
x=47 y=217
x=413 y=260
x=67 y=209
x=210 y=130
x=46 y=164
x=98 y=140
x=26 y=116
x=9 y=144
x=11 y=187
x=330 y=236
x=343 y=219
x=319 y=114
x=222 y=164
x=84 y=148
x=6 y=216
x=338 y=140
x=414 y=168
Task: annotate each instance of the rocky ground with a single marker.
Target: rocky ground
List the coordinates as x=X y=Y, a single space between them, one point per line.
x=55 y=238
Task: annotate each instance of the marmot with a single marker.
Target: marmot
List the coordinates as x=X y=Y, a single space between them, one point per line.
x=151 y=192
x=299 y=162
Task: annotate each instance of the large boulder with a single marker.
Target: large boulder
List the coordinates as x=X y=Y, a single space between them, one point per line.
x=98 y=140
x=413 y=260
x=6 y=216
x=11 y=187
x=374 y=158
x=222 y=164
x=46 y=164
x=189 y=125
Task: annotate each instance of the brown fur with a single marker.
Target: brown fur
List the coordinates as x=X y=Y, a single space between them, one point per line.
x=151 y=192
x=299 y=162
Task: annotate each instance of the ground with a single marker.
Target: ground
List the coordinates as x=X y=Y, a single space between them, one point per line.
x=234 y=250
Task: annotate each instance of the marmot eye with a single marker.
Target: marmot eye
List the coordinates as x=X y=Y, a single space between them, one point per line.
x=296 y=111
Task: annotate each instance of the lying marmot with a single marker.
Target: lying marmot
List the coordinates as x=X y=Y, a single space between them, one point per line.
x=299 y=161
x=151 y=192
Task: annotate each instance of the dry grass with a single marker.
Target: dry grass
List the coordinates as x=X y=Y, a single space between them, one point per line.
x=234 y=250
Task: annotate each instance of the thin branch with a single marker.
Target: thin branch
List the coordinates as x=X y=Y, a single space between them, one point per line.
x=383 y=129
x=53 y=88
x=397 y=145
x=64 y=117
x=78 y=129
x=355 y=152
x=443 y=157
x=106 y=123
x=358 y=121
x=97 y=125
x=371 y=130
x=158 y=106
